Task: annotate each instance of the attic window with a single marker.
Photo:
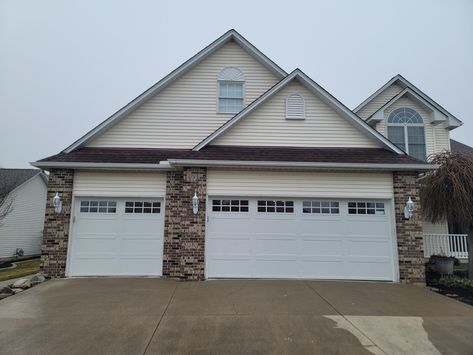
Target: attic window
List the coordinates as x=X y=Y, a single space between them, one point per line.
x=230 y=90
x=295 y=107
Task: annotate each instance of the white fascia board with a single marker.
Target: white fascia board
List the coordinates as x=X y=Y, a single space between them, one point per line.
x=376 y=93
x=302 y=165
x=153 y=90
x=111 y=166
x=315 y=89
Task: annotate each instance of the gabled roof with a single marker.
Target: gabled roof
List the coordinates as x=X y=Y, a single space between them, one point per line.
x=453 y=121
x=406 y=91
x=457 y=147
x=315 y=88
x=10 y=179
x=231 y=35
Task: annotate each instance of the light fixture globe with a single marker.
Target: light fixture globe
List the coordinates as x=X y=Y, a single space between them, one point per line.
x=409 y=209
x=195 y=203
x=57 y=203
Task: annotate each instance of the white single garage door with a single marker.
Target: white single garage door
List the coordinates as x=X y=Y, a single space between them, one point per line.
x=299 y=238
x=117 y=237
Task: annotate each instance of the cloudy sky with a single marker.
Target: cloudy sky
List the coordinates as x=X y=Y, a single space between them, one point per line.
x=65 y=66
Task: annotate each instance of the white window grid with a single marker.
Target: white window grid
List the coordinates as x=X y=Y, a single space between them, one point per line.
x=229 y=205
x=230 y=96
x=275 y=206
x=366 y=208
x=321 y=207
x=142 y=207
x=98 y=206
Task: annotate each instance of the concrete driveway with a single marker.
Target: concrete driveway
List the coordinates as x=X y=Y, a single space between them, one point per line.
x=154 y=316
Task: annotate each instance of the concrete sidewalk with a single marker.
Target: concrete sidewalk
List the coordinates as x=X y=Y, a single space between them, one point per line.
x=154 y=316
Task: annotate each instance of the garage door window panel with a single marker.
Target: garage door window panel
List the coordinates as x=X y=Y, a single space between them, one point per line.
x=142 y=207
x=366 y=208
x=95 y=206
x=275 y=206
x=321 y=207
x=230 y=205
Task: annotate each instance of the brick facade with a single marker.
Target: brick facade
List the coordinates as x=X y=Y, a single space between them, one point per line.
x=56 y=225
x=184 y=231
x=409 y=231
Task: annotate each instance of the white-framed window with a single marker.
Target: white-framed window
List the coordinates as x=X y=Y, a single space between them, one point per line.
x=406 y=130
x=295 y=107
x=366 y=207
x=98 y=206
x=231 y=90
x=142 y=207
x=321 y=207
x=230 y=205
x=279 y=206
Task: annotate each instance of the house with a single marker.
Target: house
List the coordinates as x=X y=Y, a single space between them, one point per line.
x=461 y=148
x=22 y=227
x=229 y=167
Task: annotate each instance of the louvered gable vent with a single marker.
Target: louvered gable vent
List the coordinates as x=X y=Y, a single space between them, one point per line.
x=295 y=107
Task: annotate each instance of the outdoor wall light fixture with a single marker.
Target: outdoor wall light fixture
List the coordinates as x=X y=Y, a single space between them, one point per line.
x=195 y=203
x=57 y=203
x=409 y=209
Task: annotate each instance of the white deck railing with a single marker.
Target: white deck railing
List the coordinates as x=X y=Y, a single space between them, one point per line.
x=446 y=244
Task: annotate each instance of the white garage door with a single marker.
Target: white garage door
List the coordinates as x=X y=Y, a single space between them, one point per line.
x=117 y=236
x=299 y=238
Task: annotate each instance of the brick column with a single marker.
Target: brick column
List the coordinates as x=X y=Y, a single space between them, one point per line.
x=56 y=225
x=184 y=231
x=409 y=231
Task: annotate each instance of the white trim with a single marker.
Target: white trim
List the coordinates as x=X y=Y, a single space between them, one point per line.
x=399 y=77
x=228 y=36
x=303 y=165
x=396 y=265
x=316 y=89
x=163 y=165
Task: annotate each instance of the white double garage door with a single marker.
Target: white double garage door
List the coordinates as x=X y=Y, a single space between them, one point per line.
x=246 y=236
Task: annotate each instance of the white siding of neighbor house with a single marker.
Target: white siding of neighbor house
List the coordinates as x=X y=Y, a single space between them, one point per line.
x=23 y=226
x=437 y=228
x=380 y=100
x=299 y=184
x=268 y=126
x=436 y=137
x=119 y=184
x=185 y=112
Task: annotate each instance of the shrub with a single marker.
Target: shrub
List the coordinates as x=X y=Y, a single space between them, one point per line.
x=455 y=281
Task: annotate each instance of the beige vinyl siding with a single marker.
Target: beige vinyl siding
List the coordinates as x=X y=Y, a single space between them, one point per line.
x=436 y=137
x=268 y=126
x=23 y=226
x=437 y=228
x=119 y=184
x=185 y=112
x=380 y=100
x=299 y=184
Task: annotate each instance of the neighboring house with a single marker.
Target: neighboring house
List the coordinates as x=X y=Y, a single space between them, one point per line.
x=22 y=228
x=290 y=182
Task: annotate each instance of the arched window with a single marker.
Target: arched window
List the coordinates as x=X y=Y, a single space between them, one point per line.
x=230 y=90
x=295 y=107
x=406 y=130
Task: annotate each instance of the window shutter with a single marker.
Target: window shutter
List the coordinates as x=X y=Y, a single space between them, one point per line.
x=295 y=107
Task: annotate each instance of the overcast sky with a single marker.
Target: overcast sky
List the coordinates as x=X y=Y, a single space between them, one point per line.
x=65 y=66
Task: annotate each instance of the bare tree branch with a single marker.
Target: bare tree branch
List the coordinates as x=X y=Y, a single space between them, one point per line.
x=6 y=201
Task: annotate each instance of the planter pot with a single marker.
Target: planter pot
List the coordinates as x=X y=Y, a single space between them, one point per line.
x=444 y=266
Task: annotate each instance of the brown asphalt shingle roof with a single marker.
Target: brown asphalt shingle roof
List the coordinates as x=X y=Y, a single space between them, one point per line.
x=457 y=147
x=235 y=153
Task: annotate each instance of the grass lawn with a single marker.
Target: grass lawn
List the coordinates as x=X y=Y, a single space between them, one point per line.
x=23 y=268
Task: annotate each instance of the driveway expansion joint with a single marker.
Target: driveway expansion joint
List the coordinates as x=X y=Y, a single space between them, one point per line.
x=161 y=318
x=343 y=316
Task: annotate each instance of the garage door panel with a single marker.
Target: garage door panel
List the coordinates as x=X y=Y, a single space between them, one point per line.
x=310 y=241
x=119 y=243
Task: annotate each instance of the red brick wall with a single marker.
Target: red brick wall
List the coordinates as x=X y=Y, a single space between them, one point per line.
x=184 y=231
x=409 y=231
x=56 y=225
